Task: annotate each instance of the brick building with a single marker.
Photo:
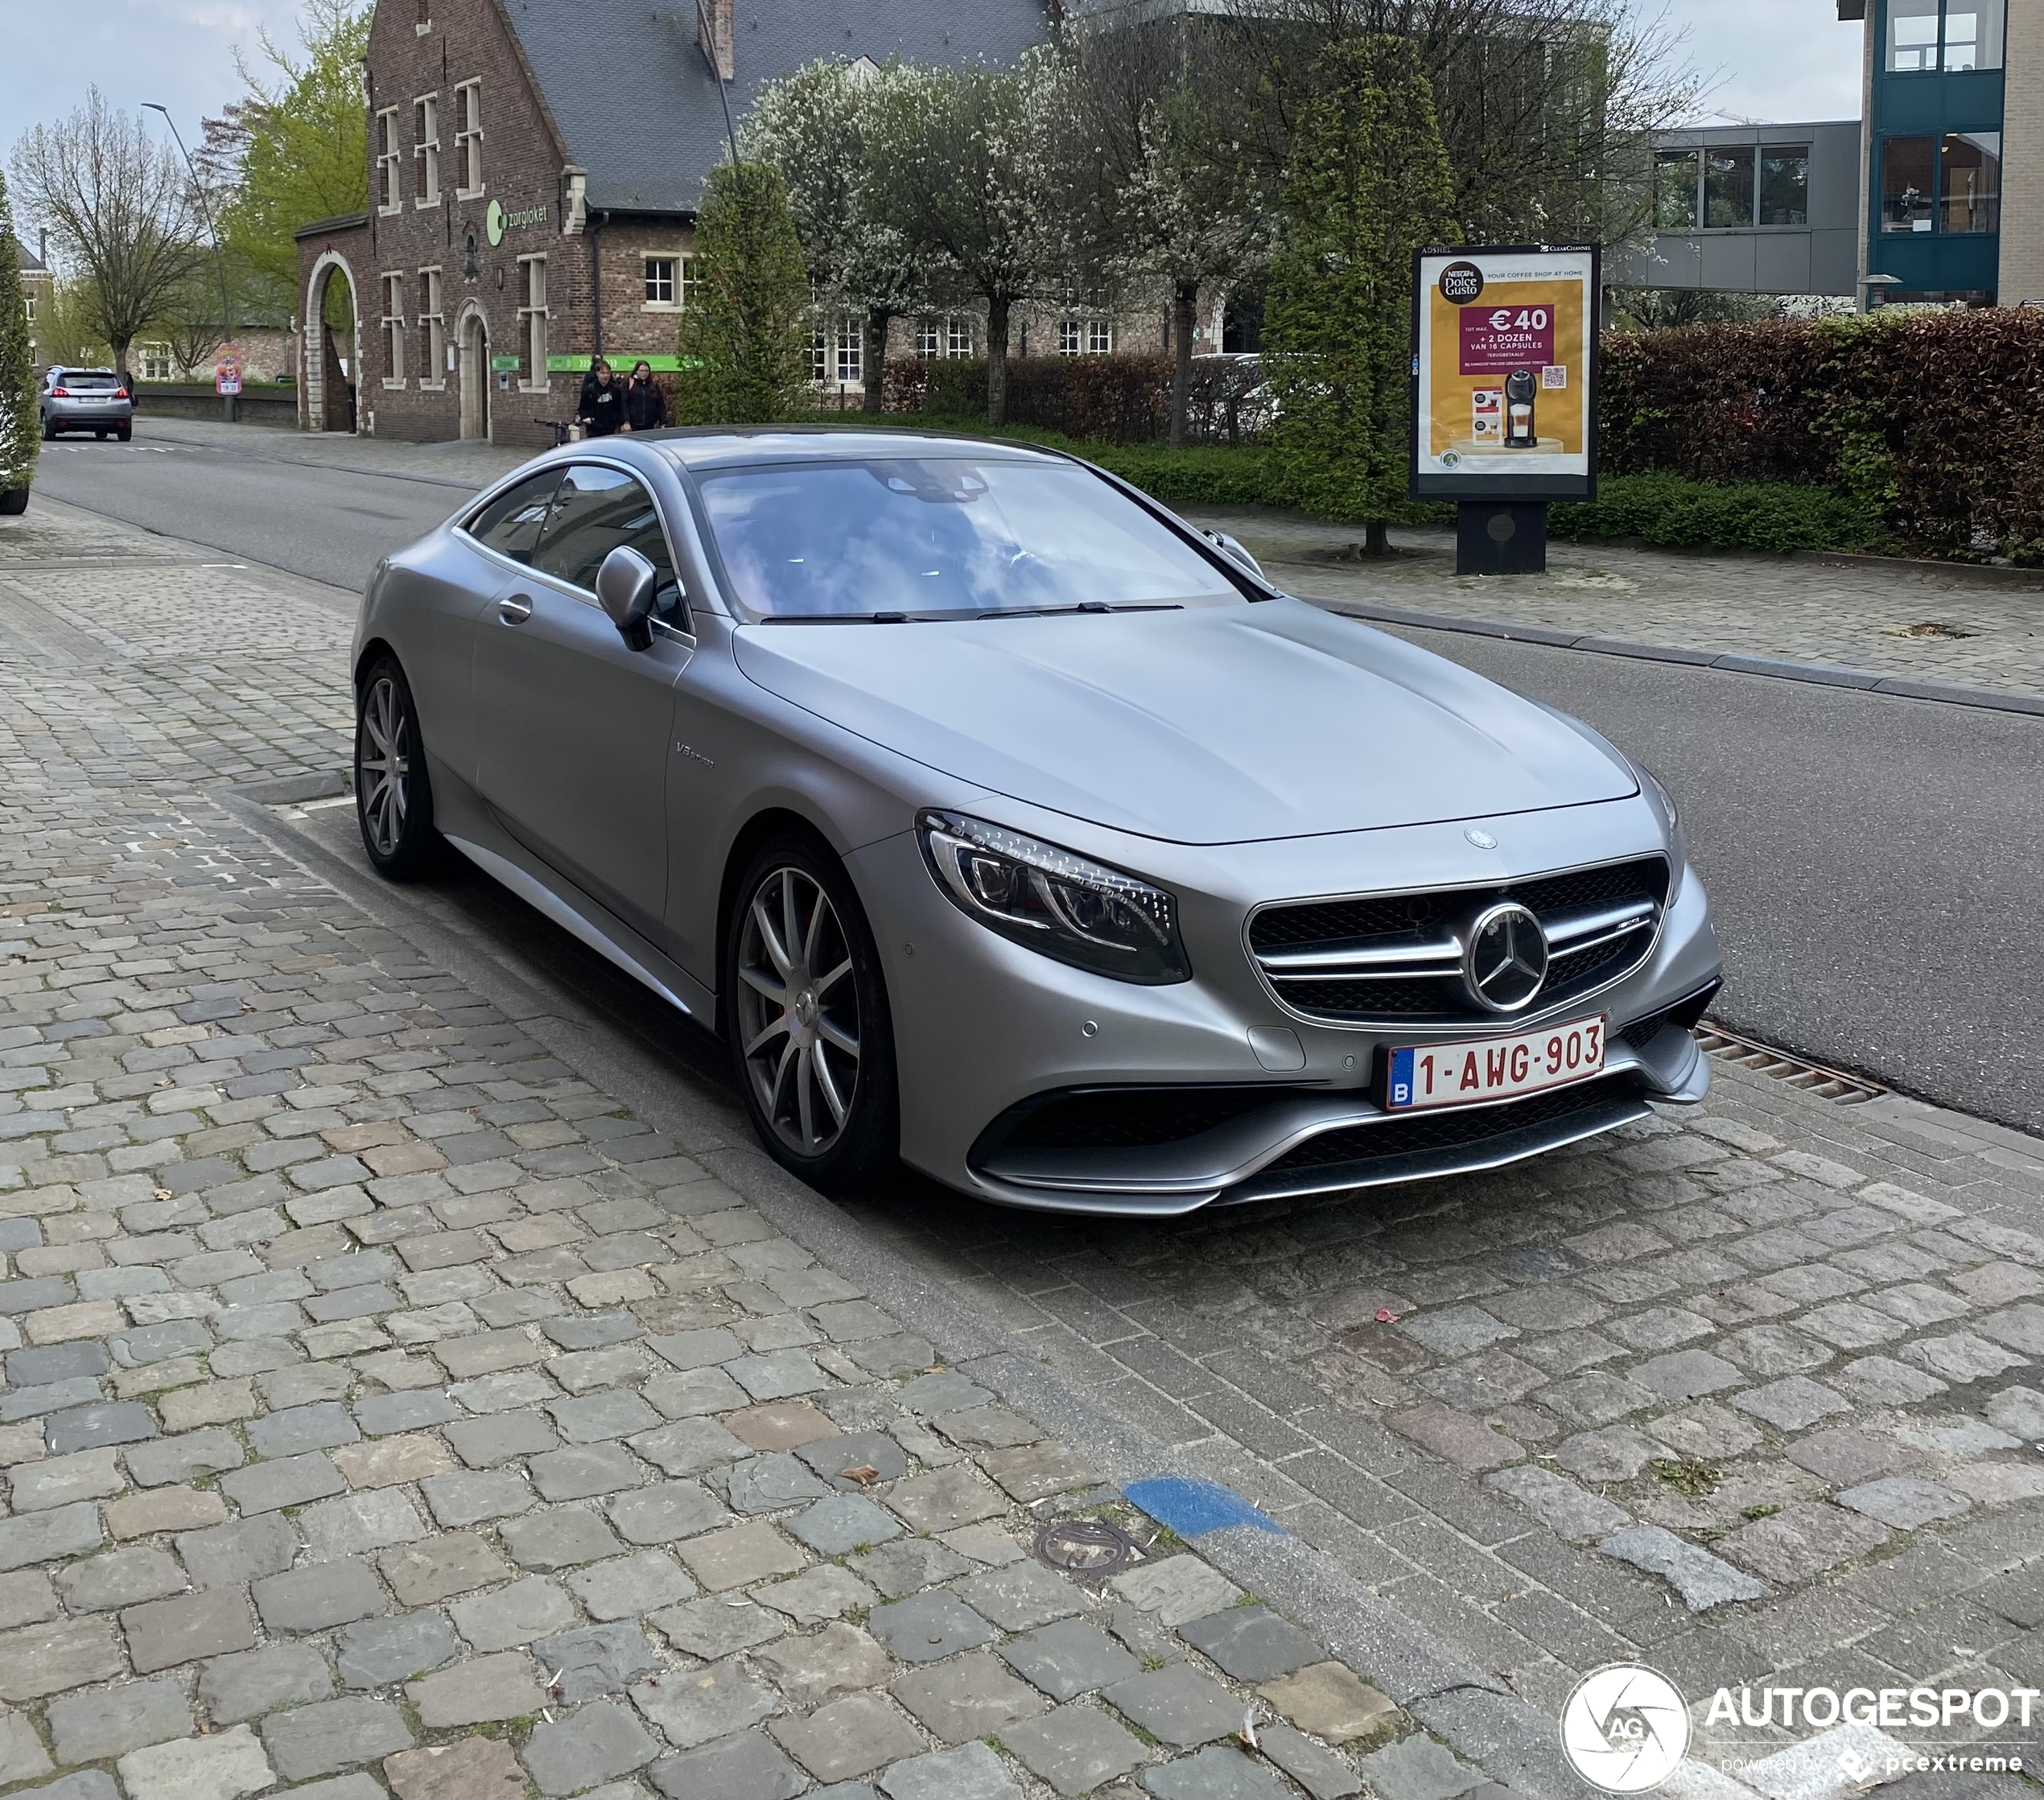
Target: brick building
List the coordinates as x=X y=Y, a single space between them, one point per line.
x=534 y=169
x=37 y=285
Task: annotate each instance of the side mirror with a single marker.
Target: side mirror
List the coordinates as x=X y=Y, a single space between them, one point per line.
x=1229 y=547
x=625 y=585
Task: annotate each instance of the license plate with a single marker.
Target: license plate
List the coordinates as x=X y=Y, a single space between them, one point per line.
x=1427 y=1075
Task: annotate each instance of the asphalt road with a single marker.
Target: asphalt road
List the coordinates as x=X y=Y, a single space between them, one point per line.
x=1876 y=864
x=331 y=524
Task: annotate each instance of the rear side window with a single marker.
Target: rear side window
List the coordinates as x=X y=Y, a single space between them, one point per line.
x=594 y=511
x=510 y=524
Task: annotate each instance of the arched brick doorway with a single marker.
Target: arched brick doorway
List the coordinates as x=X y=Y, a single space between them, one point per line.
x=333 y=345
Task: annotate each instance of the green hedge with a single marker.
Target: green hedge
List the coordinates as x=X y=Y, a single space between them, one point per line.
x=1675 y=512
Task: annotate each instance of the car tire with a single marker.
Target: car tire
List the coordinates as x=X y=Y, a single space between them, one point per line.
x=49 y=431
x=124 y=433
x=100 y=436
x=803 y=1017
x=14 y=500
x=393 y=799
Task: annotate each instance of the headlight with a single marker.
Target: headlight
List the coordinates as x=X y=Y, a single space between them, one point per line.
x=1077 y=911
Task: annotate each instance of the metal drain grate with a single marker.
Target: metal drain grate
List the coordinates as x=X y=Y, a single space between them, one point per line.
x=1779 y=1065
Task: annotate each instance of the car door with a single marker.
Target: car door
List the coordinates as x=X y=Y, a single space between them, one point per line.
x=571 y=724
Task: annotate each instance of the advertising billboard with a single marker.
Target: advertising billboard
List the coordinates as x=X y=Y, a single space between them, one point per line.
x=1506 y=367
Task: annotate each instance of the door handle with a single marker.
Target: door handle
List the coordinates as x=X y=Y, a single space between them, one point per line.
x=514 y=609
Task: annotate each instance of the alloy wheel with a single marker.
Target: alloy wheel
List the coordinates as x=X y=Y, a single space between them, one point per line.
x=383 y=765
x=798 y=1011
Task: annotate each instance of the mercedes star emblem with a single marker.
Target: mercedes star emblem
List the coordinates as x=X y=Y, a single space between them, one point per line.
x=1504 y=957
x=1480 y=839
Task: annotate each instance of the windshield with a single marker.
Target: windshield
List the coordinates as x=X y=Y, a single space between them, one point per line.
x=943 y=535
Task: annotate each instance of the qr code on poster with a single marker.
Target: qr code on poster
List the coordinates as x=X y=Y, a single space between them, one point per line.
x=1554 y=375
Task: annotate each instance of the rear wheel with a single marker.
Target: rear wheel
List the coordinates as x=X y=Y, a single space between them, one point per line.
x=124 y=432
x=808 y=1019
x=394 y=804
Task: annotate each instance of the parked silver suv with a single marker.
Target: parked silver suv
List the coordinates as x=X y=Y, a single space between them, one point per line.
x=97 y=399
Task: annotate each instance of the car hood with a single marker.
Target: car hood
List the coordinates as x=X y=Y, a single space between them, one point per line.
x=1209 y=725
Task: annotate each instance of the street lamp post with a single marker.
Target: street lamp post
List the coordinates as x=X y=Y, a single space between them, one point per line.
x=219 y=255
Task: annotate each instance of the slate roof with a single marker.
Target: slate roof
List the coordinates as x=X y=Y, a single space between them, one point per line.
x=634 y=98
x=32 y=264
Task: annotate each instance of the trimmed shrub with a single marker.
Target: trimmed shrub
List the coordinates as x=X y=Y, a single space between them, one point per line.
x=1932 y=423
x=1675 y=512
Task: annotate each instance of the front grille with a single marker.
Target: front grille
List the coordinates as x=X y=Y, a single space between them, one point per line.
x=1394 y=958
x=1125 y=1118
x=1451 y=1130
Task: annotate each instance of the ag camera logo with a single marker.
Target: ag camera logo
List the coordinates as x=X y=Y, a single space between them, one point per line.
x=1625 y=1728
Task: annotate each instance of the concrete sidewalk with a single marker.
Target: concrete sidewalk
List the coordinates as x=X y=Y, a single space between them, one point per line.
x=1909 y=622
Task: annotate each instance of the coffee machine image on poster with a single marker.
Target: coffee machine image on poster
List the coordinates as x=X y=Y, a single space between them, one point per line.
x=1504 y=369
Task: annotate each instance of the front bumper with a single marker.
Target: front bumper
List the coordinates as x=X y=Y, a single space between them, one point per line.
x=1192 y=1107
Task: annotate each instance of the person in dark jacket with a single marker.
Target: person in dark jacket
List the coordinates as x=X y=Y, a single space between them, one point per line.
x=602 y=408
x=645 y=406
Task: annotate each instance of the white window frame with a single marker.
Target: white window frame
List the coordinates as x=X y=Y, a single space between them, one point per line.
x=959 y=336
x=433 y=378
x=1071 y=337
x=157 y=364
x=846 y=365
x=426 y=151
x=390 y=197
x=469 y=138
x=672 y=302
x=533 y=315
x=394 y=331
x=1099 y=337
x=930 y=339
x=28 y=305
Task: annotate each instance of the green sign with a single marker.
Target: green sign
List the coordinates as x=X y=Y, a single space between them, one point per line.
x=497 y=221
x=505 y=365
x=622 y=363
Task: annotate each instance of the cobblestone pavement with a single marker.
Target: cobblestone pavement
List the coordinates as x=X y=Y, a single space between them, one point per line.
x=1847 y=615
x=388 y=1405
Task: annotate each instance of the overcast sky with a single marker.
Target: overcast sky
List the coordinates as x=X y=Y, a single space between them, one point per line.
x=1774 y=59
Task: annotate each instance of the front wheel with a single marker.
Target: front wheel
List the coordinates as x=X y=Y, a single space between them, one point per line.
x=807 y=1014
x=394 y=804
x=49 y=431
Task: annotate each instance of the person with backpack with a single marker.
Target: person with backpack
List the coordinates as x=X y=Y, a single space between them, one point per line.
x=645 y=405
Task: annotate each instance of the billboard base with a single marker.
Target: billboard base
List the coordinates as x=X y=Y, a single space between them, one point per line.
x=1501 y=537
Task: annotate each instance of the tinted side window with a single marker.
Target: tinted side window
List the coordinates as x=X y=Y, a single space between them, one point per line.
x=510 y=524
x=594 y=511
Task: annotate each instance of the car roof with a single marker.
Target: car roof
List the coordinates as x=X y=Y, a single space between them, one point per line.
x=726 y=446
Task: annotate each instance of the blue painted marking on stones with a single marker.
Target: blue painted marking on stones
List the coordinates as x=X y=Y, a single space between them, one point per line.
x=1191 y=1508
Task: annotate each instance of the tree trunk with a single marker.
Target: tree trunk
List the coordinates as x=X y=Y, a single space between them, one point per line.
x=875 y=365
x=1184 y=297
x=1377 y=539
x=997 y=360
x=121 y=361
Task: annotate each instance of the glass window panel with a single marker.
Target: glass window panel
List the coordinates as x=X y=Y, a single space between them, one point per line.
x=1728 y=186
x=943 y=535
x=510 y=524
x=1972 y=34
x=1906 y=183
x=1971 y=183
x=1912 y=36
x=1785 y=184
x=595 y=511
x=1676 y=173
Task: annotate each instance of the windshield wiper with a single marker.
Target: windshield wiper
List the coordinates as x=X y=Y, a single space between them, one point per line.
x=1083 y=606
x=848 y=618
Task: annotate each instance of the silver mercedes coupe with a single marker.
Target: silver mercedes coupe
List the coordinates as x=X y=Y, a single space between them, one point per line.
x=1005 y=825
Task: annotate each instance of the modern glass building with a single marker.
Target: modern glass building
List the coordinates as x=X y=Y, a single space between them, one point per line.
x=1938 y=86
x=1935 y=193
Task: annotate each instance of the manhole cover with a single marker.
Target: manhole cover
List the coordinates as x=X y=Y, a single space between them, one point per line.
x=1086 y=1547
